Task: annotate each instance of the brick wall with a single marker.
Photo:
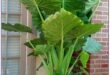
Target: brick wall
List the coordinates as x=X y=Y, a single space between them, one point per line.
x=99 y=62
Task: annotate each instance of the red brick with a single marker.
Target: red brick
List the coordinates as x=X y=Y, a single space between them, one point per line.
x=105 y=73
x=99 y=12
x=105 y=39
x=105 y=57
x=103 y=52
x=99 y=61
x=105 y=48
x=101 y=70
x=91 y=70
x=95 y=65
x=105 y=30
x=104 y=13
x=104 y=65
x=94 y=57
x=104 y=0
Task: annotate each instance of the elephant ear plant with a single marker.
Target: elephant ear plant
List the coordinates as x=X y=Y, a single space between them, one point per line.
x=65 y=28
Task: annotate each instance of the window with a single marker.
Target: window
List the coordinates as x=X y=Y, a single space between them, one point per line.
x=14 y=54
x=10 y=40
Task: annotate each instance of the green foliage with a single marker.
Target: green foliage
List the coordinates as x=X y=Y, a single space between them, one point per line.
x=35 y=42
x=16 y=27
x=89 y=5
x=83 y=30
x=48 y=7
x=42 y=49
x=84 y=57
x=86 y=14
x=61 y=27
x=92 y=46
x=73 y=5
x=45 y=7
x=60 y=20
x=65 y=26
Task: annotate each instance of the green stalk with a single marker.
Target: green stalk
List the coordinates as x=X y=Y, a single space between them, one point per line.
x=73 y=65
x=63 y=4
x=94 y=10
x=61 y=49
x=69 y=55
x=38 y=10
x=32 y=45
x=86 y=73
x=44 y=63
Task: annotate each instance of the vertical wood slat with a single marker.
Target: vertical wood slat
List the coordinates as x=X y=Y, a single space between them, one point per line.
x=27 y=66
x=23 y=40
x=0 y=44
x=31 y=68
x=5 y=63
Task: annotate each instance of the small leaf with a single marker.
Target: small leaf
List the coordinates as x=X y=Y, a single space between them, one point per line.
x=16 y=27
x=92 y=46
x=35 y=42
x=42 y=49
x=32 y=54
x=84 y=57
x=80 y=43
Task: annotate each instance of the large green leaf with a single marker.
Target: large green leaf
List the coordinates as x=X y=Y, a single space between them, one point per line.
x=88 y=10
x=83 y=30
x=84 y=57
x=51 y=6
x=35 y=42
x=36 y=20
x=16 y=27
x=48 y=6
x=92 y=46
x=89 y=5
x=74 y=5
x=44 y=7
x=53 y=25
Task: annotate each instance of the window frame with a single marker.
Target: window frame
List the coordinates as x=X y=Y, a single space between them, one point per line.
x=27 y=64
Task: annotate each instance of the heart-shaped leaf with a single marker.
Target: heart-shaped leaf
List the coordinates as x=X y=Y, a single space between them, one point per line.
x=59 y=24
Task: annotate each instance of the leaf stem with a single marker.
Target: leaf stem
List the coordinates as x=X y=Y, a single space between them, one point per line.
x=38 y=10
x=70 y=53
x=62 y=50
x=44 y=63
x=63 y=4
x=94 y=10
x=73 y=64
x=32 y=45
